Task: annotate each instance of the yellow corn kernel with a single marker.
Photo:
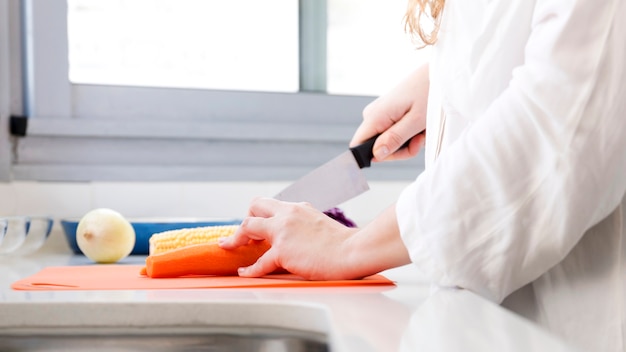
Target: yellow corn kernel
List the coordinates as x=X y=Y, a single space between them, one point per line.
x=173 y=239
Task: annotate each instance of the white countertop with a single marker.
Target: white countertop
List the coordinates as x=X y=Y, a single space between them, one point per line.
x=408 y=317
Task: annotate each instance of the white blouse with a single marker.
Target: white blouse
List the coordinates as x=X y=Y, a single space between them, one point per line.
x=522 y=200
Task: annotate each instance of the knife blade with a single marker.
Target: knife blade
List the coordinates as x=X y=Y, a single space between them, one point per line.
x=334 y=182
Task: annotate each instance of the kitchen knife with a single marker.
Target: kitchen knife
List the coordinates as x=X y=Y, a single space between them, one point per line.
x=335 y=182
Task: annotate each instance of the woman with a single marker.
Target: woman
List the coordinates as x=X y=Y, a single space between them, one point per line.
x=522 y=200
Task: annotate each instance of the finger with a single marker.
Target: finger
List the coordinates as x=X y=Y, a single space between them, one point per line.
x=231 y=242
x=266 y=264
x=377 y=117
x=364 y=132
x=266 y=207
x=251 y=228
x=390 y=141
x=259 y=207
x=415 y=145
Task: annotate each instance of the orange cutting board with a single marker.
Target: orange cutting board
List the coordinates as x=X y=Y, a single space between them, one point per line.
x=127 y=277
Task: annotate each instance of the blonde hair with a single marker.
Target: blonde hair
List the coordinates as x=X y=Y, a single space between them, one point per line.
x=416 y=12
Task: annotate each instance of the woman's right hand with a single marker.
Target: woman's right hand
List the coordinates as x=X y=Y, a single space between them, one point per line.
x=397 y=116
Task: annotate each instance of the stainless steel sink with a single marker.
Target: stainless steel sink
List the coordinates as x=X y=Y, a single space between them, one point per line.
x=184 y=341
x=166 y=326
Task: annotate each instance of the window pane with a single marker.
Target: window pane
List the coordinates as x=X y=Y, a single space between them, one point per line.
x=215 y=44
x=368 y=50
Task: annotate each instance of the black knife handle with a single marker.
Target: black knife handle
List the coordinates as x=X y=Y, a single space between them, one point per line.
x=363 y=153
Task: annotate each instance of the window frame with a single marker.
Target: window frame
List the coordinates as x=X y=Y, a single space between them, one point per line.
x=71 y=126
x=10 y=81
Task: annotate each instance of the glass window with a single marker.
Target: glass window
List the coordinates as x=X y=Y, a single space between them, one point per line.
x=235 y=45
x=257 y=69
x=229 y=45
x=368 y=49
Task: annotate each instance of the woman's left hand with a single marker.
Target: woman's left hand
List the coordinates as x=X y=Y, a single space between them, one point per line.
x=305 y=241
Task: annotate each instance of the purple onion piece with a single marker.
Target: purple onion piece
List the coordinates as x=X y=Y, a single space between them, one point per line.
x=338 y=215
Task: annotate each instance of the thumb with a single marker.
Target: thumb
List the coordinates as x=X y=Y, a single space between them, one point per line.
x=388 y=143
x=265 y=265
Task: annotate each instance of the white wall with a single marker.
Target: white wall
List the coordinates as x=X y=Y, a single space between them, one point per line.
x=164 y=200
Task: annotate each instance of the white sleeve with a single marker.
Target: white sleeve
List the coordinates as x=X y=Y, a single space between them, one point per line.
x=517 y=190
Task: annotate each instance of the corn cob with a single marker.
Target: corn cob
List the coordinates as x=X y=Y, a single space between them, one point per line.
x=173 y=239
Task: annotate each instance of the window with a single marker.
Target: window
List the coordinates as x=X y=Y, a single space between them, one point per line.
x=233 y=45
x=130 y=89
x=368 y=50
